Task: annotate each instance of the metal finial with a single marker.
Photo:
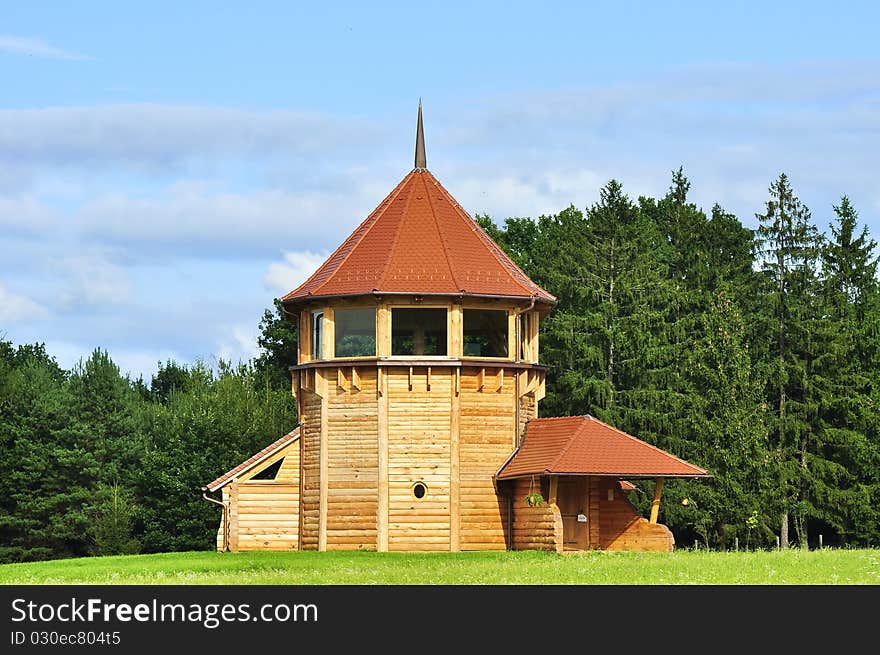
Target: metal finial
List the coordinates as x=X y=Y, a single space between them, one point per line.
x=421 y=161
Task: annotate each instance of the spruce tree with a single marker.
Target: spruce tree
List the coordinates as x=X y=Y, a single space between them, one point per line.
x=788 y=247
x=848 y=417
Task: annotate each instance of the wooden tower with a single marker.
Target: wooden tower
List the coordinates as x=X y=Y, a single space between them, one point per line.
x=417 y=372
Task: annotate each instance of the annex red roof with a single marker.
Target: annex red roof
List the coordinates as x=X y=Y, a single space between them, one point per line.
x=419 y=240
x=252 y=461
x=583 y=445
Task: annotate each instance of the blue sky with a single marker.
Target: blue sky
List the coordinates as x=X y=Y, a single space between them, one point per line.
x=166 y=169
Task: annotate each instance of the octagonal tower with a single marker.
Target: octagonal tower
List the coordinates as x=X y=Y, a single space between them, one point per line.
x=417 y=371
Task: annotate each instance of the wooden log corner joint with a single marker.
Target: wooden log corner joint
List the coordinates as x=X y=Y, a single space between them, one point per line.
x=417 y=387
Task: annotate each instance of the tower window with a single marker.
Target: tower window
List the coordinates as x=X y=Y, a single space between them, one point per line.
x=419 y=490
x=485 y=333
x=317 y=334
x=355 y=332
x=418 y=331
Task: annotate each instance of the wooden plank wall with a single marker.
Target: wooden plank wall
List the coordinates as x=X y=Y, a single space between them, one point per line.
x=268 y=516
x=535 y=528
x=266 y=511
x=310 y=431
x=352 y=467
x=622 y=528
x=488 y=436
x=419 y=450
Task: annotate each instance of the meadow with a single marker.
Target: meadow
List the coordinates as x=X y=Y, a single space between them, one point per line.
x=792 y=567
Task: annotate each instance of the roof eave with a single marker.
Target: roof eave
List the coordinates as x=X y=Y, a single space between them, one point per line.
x=378 y=294
x=635 y=476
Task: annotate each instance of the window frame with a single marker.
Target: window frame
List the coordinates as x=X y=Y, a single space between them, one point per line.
x=510 y=316
x=317 y=335
x=376 y=348
x=449 y=339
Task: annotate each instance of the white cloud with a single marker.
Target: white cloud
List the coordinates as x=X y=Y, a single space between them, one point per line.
x=136 y=363
x=24 y=214
x=194 y=220
x=156 y=135
x=92 y=280
x=20 y=45
x=283 y=277
x=16 y=307
x=238 y=344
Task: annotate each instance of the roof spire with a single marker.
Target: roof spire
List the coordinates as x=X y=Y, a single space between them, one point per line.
x=421 y=162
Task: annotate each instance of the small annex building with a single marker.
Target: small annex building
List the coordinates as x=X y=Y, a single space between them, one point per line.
x=418 y=382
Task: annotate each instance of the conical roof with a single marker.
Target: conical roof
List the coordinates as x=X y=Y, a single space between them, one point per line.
x=419 y=240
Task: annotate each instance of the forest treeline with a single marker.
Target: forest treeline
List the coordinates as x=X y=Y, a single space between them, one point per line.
x=94 y=463
x=755 y=354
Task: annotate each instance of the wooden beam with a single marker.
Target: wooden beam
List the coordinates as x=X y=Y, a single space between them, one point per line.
x=554 y=487
x=323 y=461
x=455 y=327
x=512 y=345
x=501 y=379
x=233 y=516
x=329 y=335
x=481 y=379
x=305 y=337
x=355 y=378
x=455 y=470
x=382 y=465
x=457 y=381
x=383 y=331
x=340 y=379
x=410 y=378
x=655 y=504
x=429 y=379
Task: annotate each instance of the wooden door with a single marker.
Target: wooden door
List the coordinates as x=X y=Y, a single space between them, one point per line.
x=572 y=500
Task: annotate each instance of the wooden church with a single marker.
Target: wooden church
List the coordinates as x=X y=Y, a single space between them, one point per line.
x=418 y=384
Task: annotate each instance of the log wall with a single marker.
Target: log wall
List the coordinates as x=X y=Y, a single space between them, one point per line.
x=419 y=420
x=352 y=459
x=622 y=528
x=310 y=436
x=488 y=435
x=535 y=528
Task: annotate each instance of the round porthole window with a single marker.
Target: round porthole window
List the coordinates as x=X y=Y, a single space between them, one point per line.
x=419 y=490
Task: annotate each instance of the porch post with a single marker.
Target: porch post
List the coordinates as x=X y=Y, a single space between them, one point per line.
x=554 y=485
x=655 y=505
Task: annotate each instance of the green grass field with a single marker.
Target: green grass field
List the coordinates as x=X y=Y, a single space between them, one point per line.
x=309 y=568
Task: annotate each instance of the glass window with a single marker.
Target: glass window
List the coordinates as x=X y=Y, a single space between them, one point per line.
x=355 y=332
x=485 y=333
x=418 y=331
x=317 y=334
x=270 y=472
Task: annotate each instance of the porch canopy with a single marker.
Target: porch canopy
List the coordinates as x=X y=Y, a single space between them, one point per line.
x=584 y=445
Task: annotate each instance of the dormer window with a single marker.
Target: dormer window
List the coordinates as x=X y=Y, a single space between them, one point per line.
x=485 y=333
x=418 y=331
x=317 y=334
x=355 y=332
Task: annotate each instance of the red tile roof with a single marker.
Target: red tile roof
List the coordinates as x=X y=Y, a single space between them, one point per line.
x=419 y=240
x=585 y=445
x=252 y=461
